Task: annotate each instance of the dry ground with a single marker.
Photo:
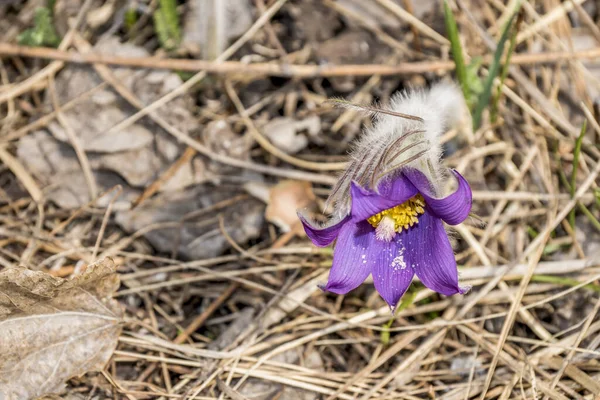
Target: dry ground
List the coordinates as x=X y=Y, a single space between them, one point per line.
x=169 y=173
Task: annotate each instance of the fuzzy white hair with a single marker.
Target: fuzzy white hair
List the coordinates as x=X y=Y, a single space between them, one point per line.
x=395 y=142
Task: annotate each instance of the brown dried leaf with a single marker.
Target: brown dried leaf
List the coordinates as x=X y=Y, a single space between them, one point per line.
x=285 y=199
x=52 y=329
x=200 y=239
x=285 y=133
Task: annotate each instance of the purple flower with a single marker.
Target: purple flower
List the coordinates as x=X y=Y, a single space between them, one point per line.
x=393 y=233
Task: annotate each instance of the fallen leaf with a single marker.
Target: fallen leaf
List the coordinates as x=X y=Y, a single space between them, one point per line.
x=285 y=133
x=584 y=41
x=198 y=237
x=220 y=138
x=314 y=22
x=53 y=329
x=93 y=118
x=283 y=200
x=101 y=15
x=242 y=321
x=350 y=47
x=257 y=389
x=133 y=156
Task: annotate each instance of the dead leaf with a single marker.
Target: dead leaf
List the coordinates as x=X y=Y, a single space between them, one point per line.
x=101 y=15
x=258 y=389
x=283 y=199
x=241 y=323
x=285 y=133
x=314 y=21
x=350 y=47
x=230 y=391
x=93 y=118
x=585 y=41
x=133 y=156
x=220 y=138
x=200 y=236
x=53 y=329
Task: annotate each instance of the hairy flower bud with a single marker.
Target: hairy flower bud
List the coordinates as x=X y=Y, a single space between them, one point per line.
x=395 y=142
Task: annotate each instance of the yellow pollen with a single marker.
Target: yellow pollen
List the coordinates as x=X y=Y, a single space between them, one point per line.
x=404 y=215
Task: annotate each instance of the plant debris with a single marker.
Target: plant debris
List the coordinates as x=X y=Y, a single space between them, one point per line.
x=180 y=138
x=53 y=329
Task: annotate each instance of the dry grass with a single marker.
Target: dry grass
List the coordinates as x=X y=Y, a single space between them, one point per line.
x=254 y=317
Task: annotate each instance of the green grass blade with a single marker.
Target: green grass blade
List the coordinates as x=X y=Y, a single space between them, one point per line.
x=582 y=207
x=590 y=215
x=484 y=98
x=576 y=154
x=559 y=280
x=457 y=52
x=169 y=9
x=130 y=19
x=504 y=73
x=166 y=24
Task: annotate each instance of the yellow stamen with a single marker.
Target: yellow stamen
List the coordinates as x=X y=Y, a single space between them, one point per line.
x=404 y=215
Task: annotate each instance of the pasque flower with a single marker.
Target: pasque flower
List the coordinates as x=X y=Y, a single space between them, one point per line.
x=391 y=204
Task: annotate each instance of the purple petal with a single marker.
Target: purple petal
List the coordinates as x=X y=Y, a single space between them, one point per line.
x=366 y=203
x=353 y=257
x=398 y=188
x=322 y=236
x=392 y=274
x=454 y=208
x=429 y=252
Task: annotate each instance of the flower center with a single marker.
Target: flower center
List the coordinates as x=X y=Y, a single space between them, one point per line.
x=394 y=219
